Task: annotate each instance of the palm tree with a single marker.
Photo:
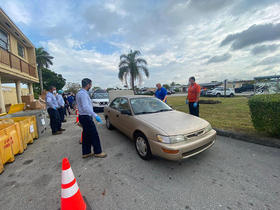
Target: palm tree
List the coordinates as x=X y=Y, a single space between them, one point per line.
x=133 y=67
x=43 y=60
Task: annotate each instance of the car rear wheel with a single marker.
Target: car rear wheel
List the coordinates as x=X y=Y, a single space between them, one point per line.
x=108 y=124
x=142 y=147
x=231 y=95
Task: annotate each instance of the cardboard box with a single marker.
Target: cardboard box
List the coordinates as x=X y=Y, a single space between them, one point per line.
x=36 y=105
x=27 y=99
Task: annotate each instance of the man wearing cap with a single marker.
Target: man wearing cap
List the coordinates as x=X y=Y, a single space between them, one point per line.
x=61 y=105
x=193 y=97
x=52 y=107
x=86 y=115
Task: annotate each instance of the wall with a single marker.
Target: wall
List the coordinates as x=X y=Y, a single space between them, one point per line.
x=10 y=96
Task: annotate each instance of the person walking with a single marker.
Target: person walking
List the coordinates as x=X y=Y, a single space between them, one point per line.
x=161 y=92
x=86 y=115
x=193 y=97
x=66 y=106
x=61 y=105
x=52 y=106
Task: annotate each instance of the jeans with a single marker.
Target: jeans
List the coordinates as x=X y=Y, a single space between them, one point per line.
x=90 y=135
x=54 y=120
x=194 y=110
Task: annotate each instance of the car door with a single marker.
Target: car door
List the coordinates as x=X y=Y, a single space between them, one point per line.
x=113 y=112
x=126 y=122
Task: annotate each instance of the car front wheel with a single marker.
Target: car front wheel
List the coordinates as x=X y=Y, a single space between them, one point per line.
x=218 y=95
x=142 y=147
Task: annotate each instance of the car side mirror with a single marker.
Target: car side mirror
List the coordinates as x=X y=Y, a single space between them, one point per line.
x=125 y=111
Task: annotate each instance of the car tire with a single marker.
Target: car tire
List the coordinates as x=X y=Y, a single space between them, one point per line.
x=231 y=95
x=142 y=146
x=108 y=124
x=218 y=94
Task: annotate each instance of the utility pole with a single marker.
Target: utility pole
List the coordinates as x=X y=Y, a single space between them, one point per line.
x=225 y=88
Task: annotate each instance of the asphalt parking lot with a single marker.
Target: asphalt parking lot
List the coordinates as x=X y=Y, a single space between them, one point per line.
x=230 y=175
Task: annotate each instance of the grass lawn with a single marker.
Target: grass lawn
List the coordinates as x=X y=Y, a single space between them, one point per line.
x=232 y=114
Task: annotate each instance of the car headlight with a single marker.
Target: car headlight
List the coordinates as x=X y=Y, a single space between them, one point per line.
x=208 y=128
x=170 y=139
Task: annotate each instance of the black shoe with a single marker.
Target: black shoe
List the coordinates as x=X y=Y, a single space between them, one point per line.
x=64 y=121
x=57 y=133
x=62 y=129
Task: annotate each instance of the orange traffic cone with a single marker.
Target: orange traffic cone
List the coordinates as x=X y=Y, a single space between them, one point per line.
x=71 y=197
x=81 y=137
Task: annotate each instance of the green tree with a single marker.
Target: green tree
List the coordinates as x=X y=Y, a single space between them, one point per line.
x=72 y=87
x=166 y=86
x=43 y=60
x=172 y=84
x=49 y=78
x=131 y=66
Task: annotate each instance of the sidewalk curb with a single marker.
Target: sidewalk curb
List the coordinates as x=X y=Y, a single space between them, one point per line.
x=266 y=141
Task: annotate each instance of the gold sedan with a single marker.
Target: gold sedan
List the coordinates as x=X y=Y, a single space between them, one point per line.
x=157 y=129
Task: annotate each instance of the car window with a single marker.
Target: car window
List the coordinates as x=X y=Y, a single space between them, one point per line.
x=115 y=103
x=148 y=105
x=123 y=105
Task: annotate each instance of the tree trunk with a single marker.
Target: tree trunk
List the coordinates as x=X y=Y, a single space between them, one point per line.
x=40 y=79
x=132 y=84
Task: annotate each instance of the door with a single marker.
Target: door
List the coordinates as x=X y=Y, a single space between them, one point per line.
x=113 y=112
x=125 y=120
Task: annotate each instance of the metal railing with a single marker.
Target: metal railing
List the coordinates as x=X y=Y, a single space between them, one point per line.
x=15 y=62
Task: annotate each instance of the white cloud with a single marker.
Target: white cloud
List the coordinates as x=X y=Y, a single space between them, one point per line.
x=18 y=12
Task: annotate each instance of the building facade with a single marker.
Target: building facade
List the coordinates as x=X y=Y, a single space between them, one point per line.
x=17 y=58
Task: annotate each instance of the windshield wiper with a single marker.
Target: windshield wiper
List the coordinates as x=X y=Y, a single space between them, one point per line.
x=144 y=113
x=163 y=110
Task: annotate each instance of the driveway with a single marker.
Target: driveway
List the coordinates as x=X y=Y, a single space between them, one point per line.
x=231 y=175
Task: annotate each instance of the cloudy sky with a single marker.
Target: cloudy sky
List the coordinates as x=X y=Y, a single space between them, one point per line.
x=210 y=39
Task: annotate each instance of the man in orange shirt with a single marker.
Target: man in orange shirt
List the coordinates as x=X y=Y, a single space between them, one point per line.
x=193 y=97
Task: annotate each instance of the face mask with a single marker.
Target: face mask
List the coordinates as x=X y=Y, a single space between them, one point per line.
x=54 y=92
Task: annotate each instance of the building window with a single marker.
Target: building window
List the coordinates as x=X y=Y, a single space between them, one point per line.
x=3 y=40
x=20 y=50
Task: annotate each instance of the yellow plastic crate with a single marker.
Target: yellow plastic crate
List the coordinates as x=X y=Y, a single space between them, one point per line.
x=6 y=151
x=26 y=125
x=16 y=108
x=14 y=134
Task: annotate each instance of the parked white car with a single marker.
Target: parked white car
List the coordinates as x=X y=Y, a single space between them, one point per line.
x=100 y=99
x=219 y=91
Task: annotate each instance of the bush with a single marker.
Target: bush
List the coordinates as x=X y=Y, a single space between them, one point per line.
x=265 y=113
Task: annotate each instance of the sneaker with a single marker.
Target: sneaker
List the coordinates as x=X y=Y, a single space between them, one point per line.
x=88 y=155
x=57 y=133
x=101 y=155
x=62 y=129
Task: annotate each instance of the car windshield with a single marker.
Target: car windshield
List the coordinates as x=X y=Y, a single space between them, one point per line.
x=148 y=105
x=100 y=96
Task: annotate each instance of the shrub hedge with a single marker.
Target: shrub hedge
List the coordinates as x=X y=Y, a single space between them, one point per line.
x=265 y=113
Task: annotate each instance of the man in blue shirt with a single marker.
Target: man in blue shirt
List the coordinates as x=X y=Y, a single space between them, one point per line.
x=161 y=93
x=52 y=107
x=86 y=115
x=61 y=105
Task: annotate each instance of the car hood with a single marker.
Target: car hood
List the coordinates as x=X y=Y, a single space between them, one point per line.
x=174 y=122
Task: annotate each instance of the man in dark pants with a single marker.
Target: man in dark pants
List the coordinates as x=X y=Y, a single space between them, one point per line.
x=52 y=106
x=61 y=105
x=193 y=97
x=86 y=115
